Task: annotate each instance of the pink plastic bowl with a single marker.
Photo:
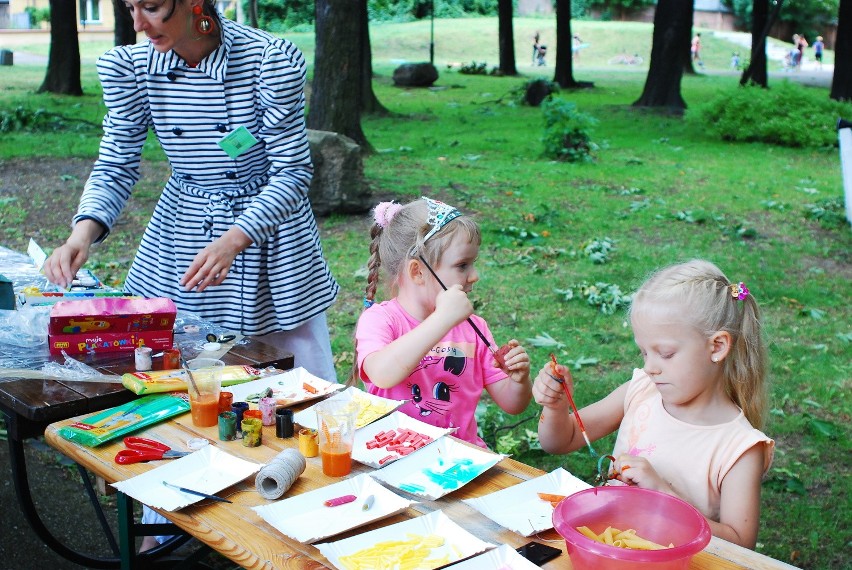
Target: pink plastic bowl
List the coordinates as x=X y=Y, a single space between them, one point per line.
x=656 y=516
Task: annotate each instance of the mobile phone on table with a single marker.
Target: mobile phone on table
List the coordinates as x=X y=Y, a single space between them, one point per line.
x=538 y=553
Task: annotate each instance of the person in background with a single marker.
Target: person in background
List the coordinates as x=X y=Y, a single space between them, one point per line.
x=539 y=50
x=818 y=46
x=695 y=50
x=425 y=345
x=232 y=238
x=801 y=44
x=689 y=420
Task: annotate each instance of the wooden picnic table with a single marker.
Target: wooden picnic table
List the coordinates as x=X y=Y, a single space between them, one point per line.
x=31 y=404
x=239 y=533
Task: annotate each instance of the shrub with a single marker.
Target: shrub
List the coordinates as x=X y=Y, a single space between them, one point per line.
x=567 y=131
x=787 y=114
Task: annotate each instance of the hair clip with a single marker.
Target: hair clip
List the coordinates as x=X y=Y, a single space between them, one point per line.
x=384 y=213
x=739 y=291
x=368 y=303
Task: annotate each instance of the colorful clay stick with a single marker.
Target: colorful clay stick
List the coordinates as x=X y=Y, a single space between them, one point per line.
x=339 y=500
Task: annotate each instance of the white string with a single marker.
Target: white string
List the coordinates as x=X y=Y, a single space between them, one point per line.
x=277 y=476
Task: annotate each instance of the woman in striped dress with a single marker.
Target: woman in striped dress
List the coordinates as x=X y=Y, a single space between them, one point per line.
x=232 y=238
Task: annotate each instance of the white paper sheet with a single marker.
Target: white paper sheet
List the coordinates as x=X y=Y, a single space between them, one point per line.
x=371 y=408
x=287 y=388
x=519 y=508
x=305 y=518
x=395 y=421
x=437 y=469
x=208 y=470
x=502 y=558
x=457 y=544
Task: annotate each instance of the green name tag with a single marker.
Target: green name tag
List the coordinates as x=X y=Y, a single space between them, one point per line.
x=237 y=142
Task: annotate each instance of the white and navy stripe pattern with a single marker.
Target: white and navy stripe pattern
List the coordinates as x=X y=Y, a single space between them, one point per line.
x=252 y=79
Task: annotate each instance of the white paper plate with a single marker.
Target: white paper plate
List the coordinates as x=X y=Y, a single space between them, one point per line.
x=396 y=421
x=437 y=469
x=370 y=408
x=502 y=558
x=305 y=518
x=287 y=388
x=458 y=543
x=519 y=508
x=208 y=470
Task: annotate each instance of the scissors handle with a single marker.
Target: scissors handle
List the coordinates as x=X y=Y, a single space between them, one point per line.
x=128 y=456
x=144 y=444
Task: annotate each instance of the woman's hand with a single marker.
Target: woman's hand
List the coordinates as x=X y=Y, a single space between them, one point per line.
x=212 y=264
x=548 y=391
x=66 y=260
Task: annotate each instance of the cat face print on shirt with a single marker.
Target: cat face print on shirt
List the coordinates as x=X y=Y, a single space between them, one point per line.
x=432 y=392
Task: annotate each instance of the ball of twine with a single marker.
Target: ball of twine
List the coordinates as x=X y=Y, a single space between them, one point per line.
x=277 y=476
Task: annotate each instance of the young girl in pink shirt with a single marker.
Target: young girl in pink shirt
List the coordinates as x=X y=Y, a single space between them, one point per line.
x=425 y=345
x=689 y=420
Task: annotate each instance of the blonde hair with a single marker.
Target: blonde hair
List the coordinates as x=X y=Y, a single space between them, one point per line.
x=399 y=239
x=703 y=288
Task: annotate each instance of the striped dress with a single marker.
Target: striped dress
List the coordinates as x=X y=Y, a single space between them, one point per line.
x=252 y=80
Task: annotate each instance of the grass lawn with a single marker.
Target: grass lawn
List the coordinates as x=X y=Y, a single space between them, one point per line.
x=661 y=189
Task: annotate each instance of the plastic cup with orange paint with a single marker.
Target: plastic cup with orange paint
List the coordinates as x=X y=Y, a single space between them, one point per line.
x=204 y=390
x=336 y=434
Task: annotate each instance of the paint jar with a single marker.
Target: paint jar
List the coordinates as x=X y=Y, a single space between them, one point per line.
x=257 y=414
x=226 y=400
x=267 y=411
x=144 y=362
x=308 y=445
x=239 y=408
x=284 y=423
x=171 y=359
x=252 y=432
x=227 y=426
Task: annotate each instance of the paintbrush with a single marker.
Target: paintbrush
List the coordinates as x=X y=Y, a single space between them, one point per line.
x=199 y=493
x=185 y=366
x=498 y=357
x=561 y=380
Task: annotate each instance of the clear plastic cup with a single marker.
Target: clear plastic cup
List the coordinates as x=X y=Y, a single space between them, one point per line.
x=336 y=423
x=204 y=386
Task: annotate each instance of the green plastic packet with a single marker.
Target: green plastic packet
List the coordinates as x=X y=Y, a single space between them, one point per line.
x=111 y=423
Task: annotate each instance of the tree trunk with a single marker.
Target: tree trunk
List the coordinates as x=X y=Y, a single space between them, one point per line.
x=757 y=60
x=762 y=22
x=564 y=73
x=672 y=26
x=252 y=6
x=63 y=61
x=124 y=34
x=369 y=102
x=841 y=84
x=506 y=38
x=335 y=103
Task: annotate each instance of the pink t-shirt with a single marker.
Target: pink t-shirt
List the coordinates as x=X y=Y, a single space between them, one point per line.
x=445 y=388
x=694 y=459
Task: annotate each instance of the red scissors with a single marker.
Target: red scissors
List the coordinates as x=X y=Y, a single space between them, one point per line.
x=141 y=449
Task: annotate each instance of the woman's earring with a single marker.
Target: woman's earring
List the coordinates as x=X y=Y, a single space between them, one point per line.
x=714 y=358
x=203 y=23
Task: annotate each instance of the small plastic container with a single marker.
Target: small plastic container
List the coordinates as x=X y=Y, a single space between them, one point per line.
x=656 y=516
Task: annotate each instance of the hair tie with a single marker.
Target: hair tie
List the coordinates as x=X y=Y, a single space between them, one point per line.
x=384 y=213
x=739 y=291
x=368 y=303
